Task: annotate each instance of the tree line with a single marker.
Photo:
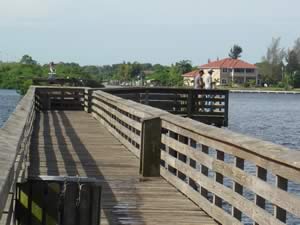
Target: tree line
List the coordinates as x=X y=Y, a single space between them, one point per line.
x=19 y=75
x=279 y=67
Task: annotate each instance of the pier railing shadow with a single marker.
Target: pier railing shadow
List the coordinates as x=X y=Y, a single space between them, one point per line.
x=88 y=164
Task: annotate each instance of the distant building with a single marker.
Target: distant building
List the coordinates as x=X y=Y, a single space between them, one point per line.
x=226 y=71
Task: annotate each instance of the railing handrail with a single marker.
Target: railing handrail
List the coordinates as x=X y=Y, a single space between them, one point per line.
x=163 y=89
x=12 y=134
x=279 y=153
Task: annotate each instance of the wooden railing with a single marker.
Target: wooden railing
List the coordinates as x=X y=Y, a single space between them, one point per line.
x=132 y=126
x=213 y=167
x=14 y=147
x=60 y=98
x=207 y=106
x=75 y=82
x=234 y=178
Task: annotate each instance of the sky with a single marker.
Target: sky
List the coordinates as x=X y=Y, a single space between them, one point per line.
x=100 y=32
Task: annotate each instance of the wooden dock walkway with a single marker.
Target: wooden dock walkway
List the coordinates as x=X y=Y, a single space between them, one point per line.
x=69 y=143
x=153 y=166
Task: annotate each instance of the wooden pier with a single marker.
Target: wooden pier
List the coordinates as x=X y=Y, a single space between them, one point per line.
x=70 y=143
x=154 y=167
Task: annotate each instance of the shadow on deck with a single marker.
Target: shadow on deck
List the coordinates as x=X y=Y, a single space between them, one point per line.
x=68 y=143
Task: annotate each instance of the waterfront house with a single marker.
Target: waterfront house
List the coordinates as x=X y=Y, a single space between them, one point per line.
x=226 y=71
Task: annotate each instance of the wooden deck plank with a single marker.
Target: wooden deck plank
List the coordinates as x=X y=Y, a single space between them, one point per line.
x=73 y=143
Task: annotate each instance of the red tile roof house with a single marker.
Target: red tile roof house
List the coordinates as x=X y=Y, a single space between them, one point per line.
x=226 y=71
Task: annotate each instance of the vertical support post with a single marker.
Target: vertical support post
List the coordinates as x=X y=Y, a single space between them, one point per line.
x=146 y=97
x=219 y=178
x=182 y=157
x=204 y=171
x=150 y=148
x=88 y=100
x=239 y=163
x=85 y=205
x=96 y=205
x=192 y=164
x=281 y=183
x=69 y=210
x=261 y=173
x=225 y=123
x=62 y=104
x=190 y=104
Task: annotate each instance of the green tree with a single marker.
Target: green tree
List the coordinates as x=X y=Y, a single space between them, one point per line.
x=292 y=62
x=275 y=54
x=27 y=60
x=184 y=66
x=271 y=67
x=123 y=72
x=162 y=75
x=235 y=52
x=135 y=70
x=296 y=79
x=296 y=48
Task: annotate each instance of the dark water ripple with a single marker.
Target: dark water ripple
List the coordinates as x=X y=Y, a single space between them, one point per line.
x=8 y=102
x=272 y=117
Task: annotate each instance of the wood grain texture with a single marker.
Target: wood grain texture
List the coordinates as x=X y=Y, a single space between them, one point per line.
x=127 y=198
x=275 y=158
x=14 y=143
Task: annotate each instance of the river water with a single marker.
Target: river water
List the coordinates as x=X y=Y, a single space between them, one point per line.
x=271 y=117
x=8 y=102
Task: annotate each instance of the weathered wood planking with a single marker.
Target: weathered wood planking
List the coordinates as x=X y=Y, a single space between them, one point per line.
x=14 y=146
x=126 y=197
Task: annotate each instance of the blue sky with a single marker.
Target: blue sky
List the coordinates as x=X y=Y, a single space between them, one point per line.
x=157 y=31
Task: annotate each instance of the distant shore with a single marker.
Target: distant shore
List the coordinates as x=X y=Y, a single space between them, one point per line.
x=263 y=91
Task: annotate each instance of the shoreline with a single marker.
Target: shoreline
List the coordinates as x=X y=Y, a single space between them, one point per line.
x=263 y=91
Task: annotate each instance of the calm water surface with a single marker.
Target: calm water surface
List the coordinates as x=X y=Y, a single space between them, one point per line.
x=272 y=117
x=8 y=102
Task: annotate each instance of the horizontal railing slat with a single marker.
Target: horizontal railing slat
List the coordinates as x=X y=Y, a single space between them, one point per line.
x=121 y=116
x=252 y=183
x=253 y=211
x=214 y=211
x=226 y=141
x=115 y=123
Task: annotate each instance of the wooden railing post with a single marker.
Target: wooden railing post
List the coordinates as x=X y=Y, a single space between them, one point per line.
x=192 y=164
x=150 y=148
x=219 y=178
x=239 y=163
x=190 y=103
x=204 y=171
x=281 y=183
x=147 y=97
x=262 y=174
x=88 y=100
x=225 y=123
